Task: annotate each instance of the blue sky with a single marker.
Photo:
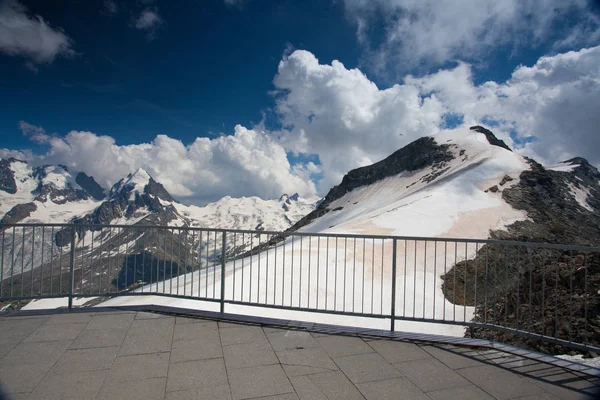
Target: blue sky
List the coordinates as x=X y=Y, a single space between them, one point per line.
x=132 y=70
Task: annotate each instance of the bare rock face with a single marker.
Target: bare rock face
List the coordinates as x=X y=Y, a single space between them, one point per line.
x=7 y=177
x=18 y=213
x=492 y=139
x=90 y=185
x=421 y=153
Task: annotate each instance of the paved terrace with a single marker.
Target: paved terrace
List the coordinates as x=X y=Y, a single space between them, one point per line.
x=140 y=355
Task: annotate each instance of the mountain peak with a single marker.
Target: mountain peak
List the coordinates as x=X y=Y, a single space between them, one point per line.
x=491 y=138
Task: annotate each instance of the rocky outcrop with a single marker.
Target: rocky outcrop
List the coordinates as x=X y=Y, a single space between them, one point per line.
x=421 y=153
x=7 y=177
x=90 y=185
x=553 y=277
x=491 y=138
x=49 y=191
x=18 y=213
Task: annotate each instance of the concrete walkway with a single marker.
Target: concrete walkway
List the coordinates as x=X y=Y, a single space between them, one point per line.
x=137 y=355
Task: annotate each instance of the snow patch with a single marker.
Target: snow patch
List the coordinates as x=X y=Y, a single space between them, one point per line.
x=580 y=195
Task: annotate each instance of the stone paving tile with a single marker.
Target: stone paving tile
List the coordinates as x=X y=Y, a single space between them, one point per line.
x=454 y=357
x=469 y=392
x=542 y=396
x=249 y=355
x=139 y=367
x=50 y=333
x=313 y=358
x=70 y=318
x=88 y=339
x=196 y=349
x=242 y=334
x=282 y=339
x=565 y=385
x=306 y=389
x=148 y=336
x=339 y=346
x=394 y=351
x=110 y=321
x=74 y=386
x=398 y=388
x=285 y=396
x=147 y=389
x=366 y=367
x=85 y=360
x=19 y=378
x=198 y=375
x=334 y=385
x=196 y=331
x=430 y=374
x=499 y=383
x=35 y=353
x=248 y=383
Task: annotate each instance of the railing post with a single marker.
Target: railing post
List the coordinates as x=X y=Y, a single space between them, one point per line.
x=223 y=247
x=393 y=312
x=71 y=268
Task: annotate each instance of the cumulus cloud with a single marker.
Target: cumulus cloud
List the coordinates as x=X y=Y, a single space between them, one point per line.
x=436 y=31
x=31 y=37
x=35 y=133
x=149 y=21
x=345 y=119
x=248 y=163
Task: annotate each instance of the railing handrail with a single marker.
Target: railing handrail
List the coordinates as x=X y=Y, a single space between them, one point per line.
x=553 y=246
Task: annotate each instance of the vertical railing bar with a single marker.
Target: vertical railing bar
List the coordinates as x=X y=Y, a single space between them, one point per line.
x=485 y=288
x=179 y=259
x=251 y=265
x=234 y=275
x=318 y=267
x=158 y=258
x=292 y=276
x=309 y=269
x=393 y=305
x=206 y=268
x=192 y=265
x=373 y=275
x=2 y=266
x=506 y=294
x=405 y=276
x=362 y=307
x=242 y=283
x=258 y=283
x=172 y=257
x=275 y=275
x=445 y=275
x=544 y=259
x=345 y=271
x=32 y=258
x=283 y=274
x=424 y=274
x=109 y=256
x=300 y=285
x=414 y=311
x=465 y=285
x=454 y=291
x=41 y=263
x=22 y=261
x=354 y=275
x=164 y=263
x=495 y=301
x=52 y=261
x=556 y=300
x=126 y=266
x=214 y=275
x=381 y=280
x=267 y=272
x=585 y=294
x=335 y=276
x=530 y=289
x=101 y=256
x=71 y=267
x=434 y=275
x=223 y=261
x=144 y=238
x=518 y=313
x=327 y=273
x=92 y=264
x=570 y=295
x=476 y=276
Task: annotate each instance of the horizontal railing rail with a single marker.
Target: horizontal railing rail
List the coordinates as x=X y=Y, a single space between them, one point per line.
x=532 y=294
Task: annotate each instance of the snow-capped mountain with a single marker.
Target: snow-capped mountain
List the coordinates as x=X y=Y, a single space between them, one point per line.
x=50 y=193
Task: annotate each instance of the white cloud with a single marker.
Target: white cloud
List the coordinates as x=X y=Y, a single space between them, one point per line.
x=248 y=163
x=31 y=37
x=436 y=31
x=149 y=21
x=35 y=133
x=345 y=119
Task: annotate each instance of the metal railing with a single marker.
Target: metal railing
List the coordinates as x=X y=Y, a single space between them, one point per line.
x=500 y=290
